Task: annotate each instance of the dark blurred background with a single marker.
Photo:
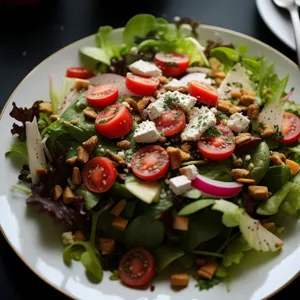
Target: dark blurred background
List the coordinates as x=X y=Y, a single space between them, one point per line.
x=31 y=30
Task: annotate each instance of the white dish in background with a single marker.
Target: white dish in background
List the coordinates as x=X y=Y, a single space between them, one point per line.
x=278 y=20
x=37 y=239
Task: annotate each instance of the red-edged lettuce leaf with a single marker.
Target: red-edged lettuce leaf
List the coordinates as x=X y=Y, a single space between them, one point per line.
x=23 y=115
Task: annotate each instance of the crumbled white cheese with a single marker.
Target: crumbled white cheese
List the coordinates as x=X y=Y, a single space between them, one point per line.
x=235 y=80
x=237 y=122
x=127 y=105
x=146 y=133
x=67 y=238
x=134 y=50
x=214 y=110
x=121 y=154
x=199 y=121
x=190 y=172
x=145 y=68
x=175 y=85
x=180 y=184
x=186 y=102
x=248 y=157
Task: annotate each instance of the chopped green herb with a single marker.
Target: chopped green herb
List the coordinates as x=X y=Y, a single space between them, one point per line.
x=212 y=132
x=222 y=116
x=205 y=284
x=102 y=121
x=114 y=275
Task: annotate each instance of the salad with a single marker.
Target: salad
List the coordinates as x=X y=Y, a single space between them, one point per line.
x=163 y=148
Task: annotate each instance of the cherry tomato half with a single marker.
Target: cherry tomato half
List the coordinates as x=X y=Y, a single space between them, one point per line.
x=172 y=64
x=79 y=72
x=150 y=162
x=102 y=95
x=203 y=92
x=171 y=121
x=290 y=128
x=137 y=267
x=99 y=174
x=217 y=147
x=114 y=121
x=143 y=86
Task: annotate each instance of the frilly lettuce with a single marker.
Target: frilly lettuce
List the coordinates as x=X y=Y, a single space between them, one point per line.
x=235 y=251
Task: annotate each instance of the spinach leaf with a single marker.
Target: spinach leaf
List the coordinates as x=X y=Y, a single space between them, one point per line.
x=156 y=208
x=260 y=160
x=217 y=170
x=104 y=225
x=92 y=263
x=90 y=199
x=203 y=226
x=18 y=152
x=271 y=206
x=165 y=255
x=291 y=204
x=195 y=206
x=144 y=231
x=276 y=177
x=128 y=211
x=118 y=190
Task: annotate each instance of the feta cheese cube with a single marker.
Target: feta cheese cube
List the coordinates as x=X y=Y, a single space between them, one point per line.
x=175 y=85
x=199 y=121
x=146 y=133
x=145 y=68
x=180 y=184
x=190 y=172
x=156 y=108
x=237 y=122
x=186 y=102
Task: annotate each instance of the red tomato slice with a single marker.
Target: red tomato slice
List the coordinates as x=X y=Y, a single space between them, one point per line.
x=171 y=121
x=143 y=86
x=172 y=64
x=102 y=95
x=79 y=72
x=99 y=174
x=290 y=128
x=150 y=162
x=203 y=92
x=217 y=147
x=114 y=121
x=137 y=267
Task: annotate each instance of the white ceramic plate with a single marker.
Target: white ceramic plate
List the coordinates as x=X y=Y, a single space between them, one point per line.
x=37 y=240
x=278 y=20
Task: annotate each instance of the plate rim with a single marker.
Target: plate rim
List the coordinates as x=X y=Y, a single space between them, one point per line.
x=267 y=23
x=205 y=26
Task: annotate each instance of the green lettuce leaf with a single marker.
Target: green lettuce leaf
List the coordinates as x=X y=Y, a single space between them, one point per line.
x=235 y=251
x=105 y=42
x=227 y=56
x=18 y=152
x=292 y=107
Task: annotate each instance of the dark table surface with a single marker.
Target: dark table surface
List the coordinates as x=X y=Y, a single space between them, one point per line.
x=29 y=35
